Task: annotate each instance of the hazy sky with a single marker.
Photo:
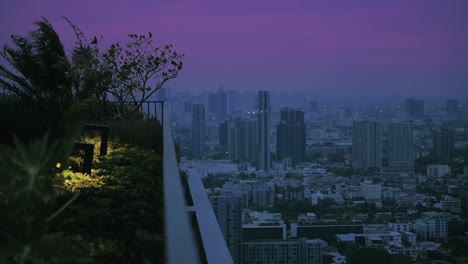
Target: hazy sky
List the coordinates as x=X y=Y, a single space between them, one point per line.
x=329 y=47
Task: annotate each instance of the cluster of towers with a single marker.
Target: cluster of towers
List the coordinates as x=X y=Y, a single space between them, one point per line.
x=248 y=140
x=367 y=146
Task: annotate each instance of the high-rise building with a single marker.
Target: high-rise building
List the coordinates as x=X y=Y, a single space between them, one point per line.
x=367 y=144
x=232 y=101
x=213 y=103
x=224 y=134
x=414 y=108
x=443 y=145
x=263 y=142
x=228 y=211
x=452 y=107
x=222 y=103
x=291 y=136
x=198 y=130
x=218 y=103
x=400 y=145
x=242 y=140
x=188 y=106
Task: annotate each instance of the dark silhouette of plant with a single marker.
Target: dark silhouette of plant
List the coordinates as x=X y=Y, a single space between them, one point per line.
x=27 y=175
x=90 y=76
x=140 y=69
x=37 y=68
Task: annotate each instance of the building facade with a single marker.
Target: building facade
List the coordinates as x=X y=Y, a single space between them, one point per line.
x=291 y=136
x=414 y=108
x=228 y=211
x=443 y=141
x=400 y=145
x=198 y=130
x=291 y=251
x=263 y=142
x=367 y=144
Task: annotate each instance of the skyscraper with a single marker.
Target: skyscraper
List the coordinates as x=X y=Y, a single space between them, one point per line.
x=291 y=136
x=198 y=130
x=242 y=140
x=367 y=144
x=228 y=211
x=452 y=107
x=414 y=108
x=218 y=104
x=213 y=103
x=224 y=134
x=222 y=103
x=443 y=145
x=400 y=145
x=263 y=142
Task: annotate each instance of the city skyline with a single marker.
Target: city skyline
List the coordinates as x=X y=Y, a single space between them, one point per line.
x=339 y=49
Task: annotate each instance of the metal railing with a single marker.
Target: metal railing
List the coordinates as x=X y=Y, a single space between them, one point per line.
x=210 y=235
x=179 y=236
x=150 y=109
x=192 y=233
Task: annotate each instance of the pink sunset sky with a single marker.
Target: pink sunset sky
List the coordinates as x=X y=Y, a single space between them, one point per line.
x=329 y=47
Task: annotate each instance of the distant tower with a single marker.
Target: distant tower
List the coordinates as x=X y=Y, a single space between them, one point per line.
x=228 y=211
x=452 y=107
x=414 y=108
x=222 y=103
x=367 y=144
x=188 y=107
x=224 y=134
x=213 y=103
x=443 y=145
x=242 y=140
x=198 y=130
x=400 y=145
x=232 y=101
x=291 y=136
x=263 y=156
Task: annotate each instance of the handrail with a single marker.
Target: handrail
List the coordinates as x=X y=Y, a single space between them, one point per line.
x=181 y=246
x=214 y=244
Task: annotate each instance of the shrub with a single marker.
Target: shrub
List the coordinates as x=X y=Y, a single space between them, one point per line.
x=142 y=133
x=27 y=121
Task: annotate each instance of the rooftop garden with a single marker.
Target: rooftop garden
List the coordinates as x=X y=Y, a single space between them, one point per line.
x=51 y=210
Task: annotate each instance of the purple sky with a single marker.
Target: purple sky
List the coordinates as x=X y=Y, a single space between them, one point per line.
x=330 y=47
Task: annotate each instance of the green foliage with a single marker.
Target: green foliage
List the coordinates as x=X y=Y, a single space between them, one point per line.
x=74 y=181
x=360 y=255
x=118 y=215
x=370 y=255
x=139 y=68
x=85 y=111
x=52 y=215
x=25 y=120
x=37 y=68
x=27 y=174
x=144 y=133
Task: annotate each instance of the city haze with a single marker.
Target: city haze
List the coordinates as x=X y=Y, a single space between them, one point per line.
x=331 y=49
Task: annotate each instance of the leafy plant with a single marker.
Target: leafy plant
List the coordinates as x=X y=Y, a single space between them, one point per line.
x=27 y=174
x=140 y=69
x=37 y=68
x=118 y=215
